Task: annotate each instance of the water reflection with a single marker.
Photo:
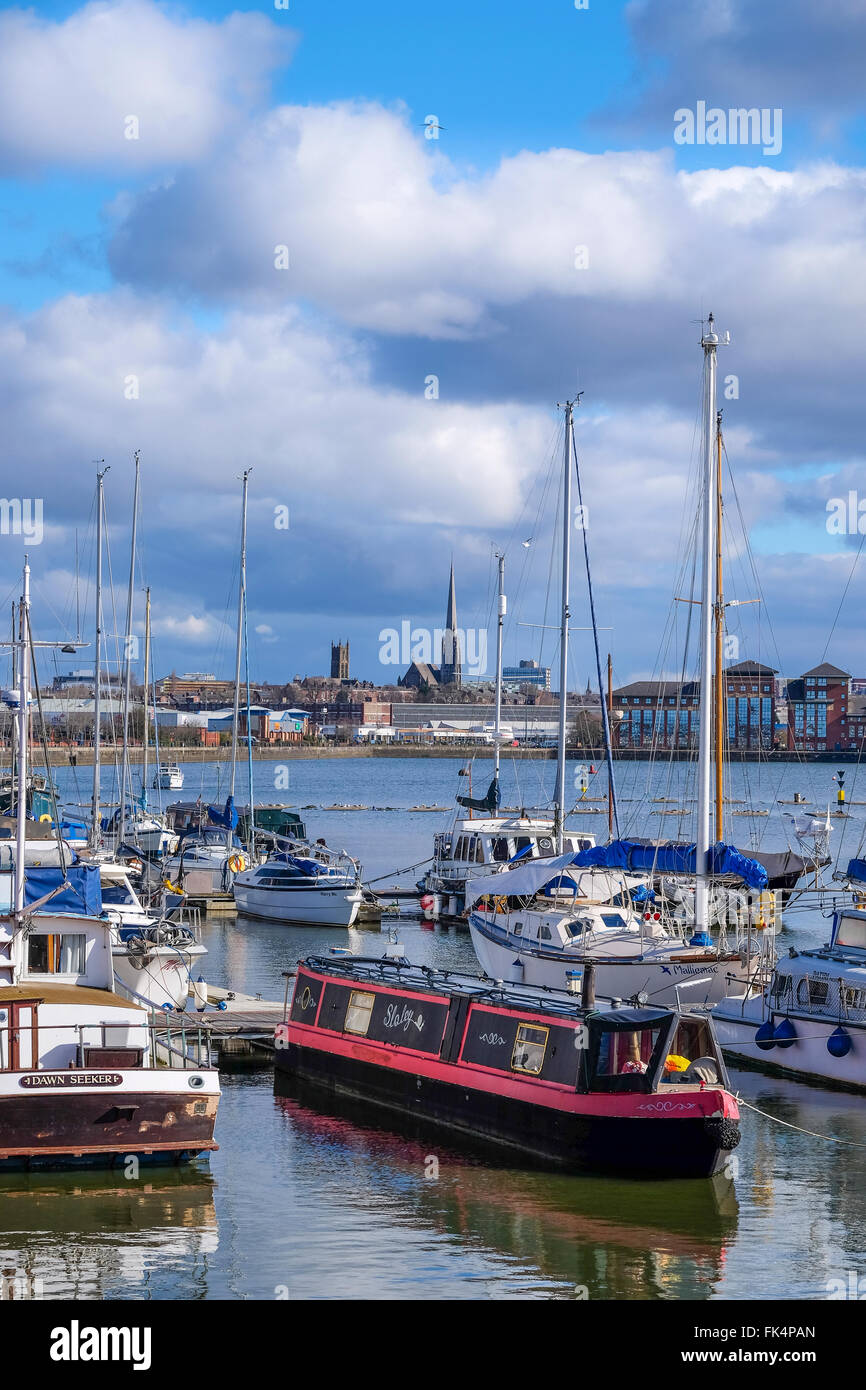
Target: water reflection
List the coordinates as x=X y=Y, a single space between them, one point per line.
x=580 y=1237
x=98 y=1235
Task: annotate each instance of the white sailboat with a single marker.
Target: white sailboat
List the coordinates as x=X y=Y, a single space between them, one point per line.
x=543 y=928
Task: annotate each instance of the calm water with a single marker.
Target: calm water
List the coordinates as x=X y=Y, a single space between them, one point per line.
x=301 y=1202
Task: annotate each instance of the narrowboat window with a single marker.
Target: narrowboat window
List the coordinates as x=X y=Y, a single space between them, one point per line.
x=692 y=1042
x=625 y=1053
x=64 y=954
x=358 y=1012
x=529 y=1048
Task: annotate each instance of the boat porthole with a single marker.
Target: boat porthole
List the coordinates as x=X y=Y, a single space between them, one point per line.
x=196 y=1081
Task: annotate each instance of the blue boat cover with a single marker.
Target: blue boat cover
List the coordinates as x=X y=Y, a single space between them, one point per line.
x=82 y=894
x=857 y=869
x=672 y=858
x=227 y=817
x=306 y=866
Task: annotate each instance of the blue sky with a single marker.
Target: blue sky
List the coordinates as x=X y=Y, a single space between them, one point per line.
x=152 y=260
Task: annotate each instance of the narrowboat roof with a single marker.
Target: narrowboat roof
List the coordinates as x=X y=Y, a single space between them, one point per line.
x=403 y=975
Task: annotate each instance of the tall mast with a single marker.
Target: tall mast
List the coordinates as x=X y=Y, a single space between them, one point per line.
x=500 y=619
x=22 y=719
x=242 y=583
x=720 y=635
x=95 y=824
x=609 y=725
x=127 y=678
x=559 y=814
x=703 y=841
x=144 y=740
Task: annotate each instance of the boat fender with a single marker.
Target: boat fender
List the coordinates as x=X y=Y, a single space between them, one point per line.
x=724 y=1133
x=839 y=1043
x=764 y=1036
x=785 y=1034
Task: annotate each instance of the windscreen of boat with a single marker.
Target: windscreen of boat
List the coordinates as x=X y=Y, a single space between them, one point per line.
x=851 y=931
x=626 y=1049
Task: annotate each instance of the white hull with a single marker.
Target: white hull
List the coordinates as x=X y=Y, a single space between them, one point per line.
x=160 y=976
x=616 y=976
x=806 y=1058
x=326 y=907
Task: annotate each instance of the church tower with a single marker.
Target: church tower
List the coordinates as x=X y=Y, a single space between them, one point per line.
x=451 y=672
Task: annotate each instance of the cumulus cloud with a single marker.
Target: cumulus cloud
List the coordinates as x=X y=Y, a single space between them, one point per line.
x=127 y=85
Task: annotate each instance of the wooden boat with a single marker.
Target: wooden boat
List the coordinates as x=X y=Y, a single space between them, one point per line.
x=621 y=1089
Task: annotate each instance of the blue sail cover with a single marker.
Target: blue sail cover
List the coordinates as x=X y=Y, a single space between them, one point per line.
x=856 y=869
x=227 y=817
x=306 y=866
x=672 y=858
x=82 y=894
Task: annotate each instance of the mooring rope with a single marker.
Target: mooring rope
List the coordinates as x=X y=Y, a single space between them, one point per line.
x=828 y=1138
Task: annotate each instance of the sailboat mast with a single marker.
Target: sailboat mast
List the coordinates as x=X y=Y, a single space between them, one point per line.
x=22 y=720
x=144 y=739
x=97 y=704
x=709 y=343
x=559 y=815
x=128 y=642
x=610 y=817
x=497 y=719
x=720 y=637
x=242 y=581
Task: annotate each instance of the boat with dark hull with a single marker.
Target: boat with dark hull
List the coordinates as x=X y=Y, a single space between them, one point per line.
x=628 y=1090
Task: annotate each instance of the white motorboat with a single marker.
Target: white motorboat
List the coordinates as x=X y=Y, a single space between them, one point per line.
x=315 y=887
x=84 y=1077
x=153 y=957
x=168 y=776
x=810 y=1021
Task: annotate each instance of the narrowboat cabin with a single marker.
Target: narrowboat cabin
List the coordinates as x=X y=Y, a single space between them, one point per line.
x=621 y=1089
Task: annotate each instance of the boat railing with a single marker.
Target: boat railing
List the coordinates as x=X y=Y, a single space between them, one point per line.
x=819 y=994
x=145 y=1045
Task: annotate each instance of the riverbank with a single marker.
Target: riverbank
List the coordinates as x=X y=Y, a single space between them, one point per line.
x=83 y=757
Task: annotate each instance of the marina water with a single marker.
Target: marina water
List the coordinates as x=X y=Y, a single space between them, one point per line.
x=303 y=1201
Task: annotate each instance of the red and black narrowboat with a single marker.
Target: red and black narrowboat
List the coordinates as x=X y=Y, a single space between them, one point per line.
x=608 y=1087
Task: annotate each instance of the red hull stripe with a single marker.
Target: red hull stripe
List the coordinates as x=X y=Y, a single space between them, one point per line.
x=674 y=1102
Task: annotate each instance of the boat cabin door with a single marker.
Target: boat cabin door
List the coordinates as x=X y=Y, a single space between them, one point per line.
x=19 y=1040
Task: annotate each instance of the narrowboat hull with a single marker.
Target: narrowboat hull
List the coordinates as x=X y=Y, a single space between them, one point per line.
x=93 y=1124
x=646 y=1147
x=534 y=1072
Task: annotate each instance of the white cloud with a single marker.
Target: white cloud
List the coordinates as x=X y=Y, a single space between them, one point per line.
x=68 y=88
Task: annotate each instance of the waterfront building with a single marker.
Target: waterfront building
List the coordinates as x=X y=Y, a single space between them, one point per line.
x=819 y=710
x=526 y=673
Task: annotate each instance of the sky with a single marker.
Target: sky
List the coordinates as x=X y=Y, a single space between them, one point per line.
x=364 y=252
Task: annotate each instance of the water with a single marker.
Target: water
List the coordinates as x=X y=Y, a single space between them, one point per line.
x=302 y=1202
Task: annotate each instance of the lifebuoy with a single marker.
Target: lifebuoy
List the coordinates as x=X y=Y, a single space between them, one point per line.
x=44 y=817
x=236 y=863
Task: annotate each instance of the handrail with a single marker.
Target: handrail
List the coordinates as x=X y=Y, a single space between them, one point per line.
x=158 y=1037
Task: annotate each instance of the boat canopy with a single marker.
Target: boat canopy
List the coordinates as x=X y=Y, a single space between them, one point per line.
x=82 y=893
x=306 y=866
x=644 y=857
x=856 y=869
x=523 y=881
x=228 y=817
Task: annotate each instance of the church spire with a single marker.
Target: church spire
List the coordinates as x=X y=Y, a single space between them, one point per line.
x=451 y=667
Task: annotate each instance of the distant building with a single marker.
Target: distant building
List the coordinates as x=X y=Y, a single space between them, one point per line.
x=819 y=712
x=339 y=661
x=526 y=673
x=451 y=672
x=750 y=705
x=663 y=714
